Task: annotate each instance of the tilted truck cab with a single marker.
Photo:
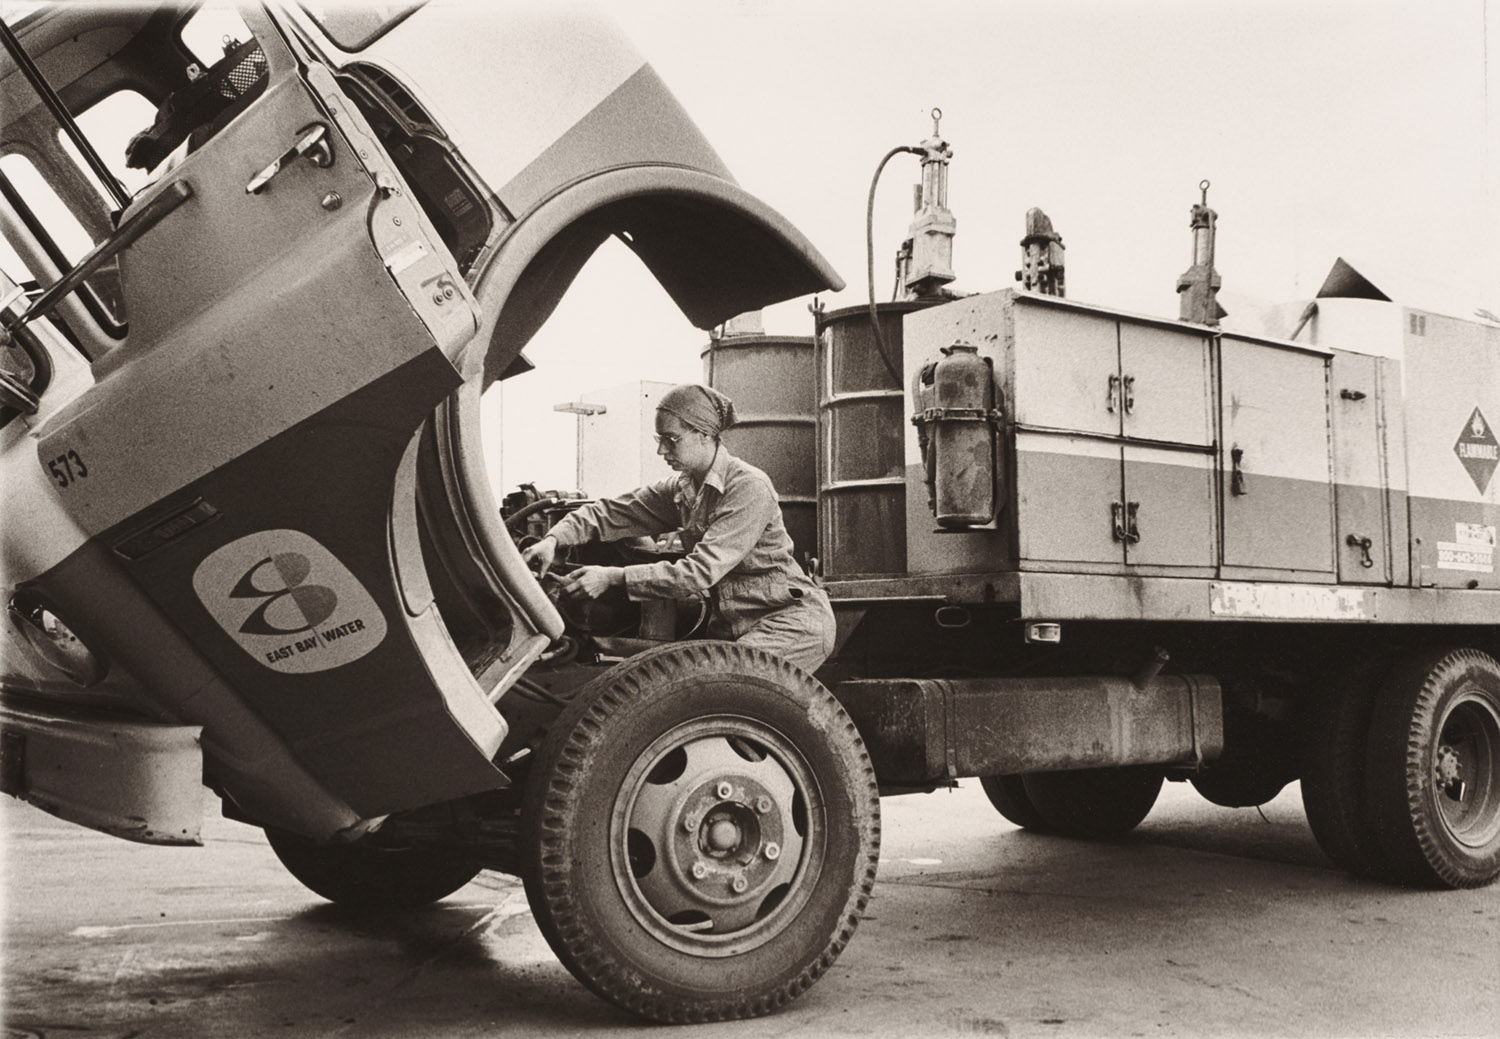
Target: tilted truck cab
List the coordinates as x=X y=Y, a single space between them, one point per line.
x=249 y=536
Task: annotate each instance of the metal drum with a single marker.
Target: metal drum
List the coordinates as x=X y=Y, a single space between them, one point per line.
x=861 y=441
x=771 y=381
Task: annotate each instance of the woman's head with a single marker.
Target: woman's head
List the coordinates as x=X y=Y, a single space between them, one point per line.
x=689 y=420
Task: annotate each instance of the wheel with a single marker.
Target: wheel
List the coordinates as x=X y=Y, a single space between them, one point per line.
x=701 y=832
x=1334 y=746
x=1093 y=802
x=362 y=876
x=1008 y=795
x=1433 y=770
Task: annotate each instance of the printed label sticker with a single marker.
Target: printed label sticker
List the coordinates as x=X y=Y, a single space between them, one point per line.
x=1472 y=549
x=288 y=602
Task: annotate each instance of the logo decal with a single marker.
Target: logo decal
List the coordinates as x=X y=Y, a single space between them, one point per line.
x=288 y=602
x=1478 y=450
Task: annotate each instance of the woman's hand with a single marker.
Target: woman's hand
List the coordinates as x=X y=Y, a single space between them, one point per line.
x=539 y=555
x=590 y=582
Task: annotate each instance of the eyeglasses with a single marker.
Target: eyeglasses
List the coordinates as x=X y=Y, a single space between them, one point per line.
x=668 y=440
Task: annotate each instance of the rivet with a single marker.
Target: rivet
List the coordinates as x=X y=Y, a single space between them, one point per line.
x=396 y=220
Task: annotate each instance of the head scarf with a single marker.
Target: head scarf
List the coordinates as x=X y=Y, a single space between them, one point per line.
x=698 y=407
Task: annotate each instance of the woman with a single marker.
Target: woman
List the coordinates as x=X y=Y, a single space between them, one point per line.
x=731 y=529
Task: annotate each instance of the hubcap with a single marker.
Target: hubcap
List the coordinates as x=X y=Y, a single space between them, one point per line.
x=716 y=836
x=1466 y=770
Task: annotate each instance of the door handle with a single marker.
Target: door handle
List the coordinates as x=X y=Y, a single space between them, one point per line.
x=312 y=142
x=1112 y=394
x=1127 y=388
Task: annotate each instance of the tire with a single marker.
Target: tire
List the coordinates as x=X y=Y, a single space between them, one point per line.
x=1433 y=770
x=1333 y=752
x=1095 y=802
x=368 y=878
x=701 y=833
x=1008 y=794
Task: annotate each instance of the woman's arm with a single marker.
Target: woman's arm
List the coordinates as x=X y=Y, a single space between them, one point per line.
x=647 y=510
x=738 y=520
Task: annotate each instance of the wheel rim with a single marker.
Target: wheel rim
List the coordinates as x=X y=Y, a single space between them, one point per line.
x=1465 y=774
x=717 y=836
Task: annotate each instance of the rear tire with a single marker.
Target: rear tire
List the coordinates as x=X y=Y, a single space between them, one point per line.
x=360 y=876
x=701 y=833
x=1008 y=794
x=1335 y=745
x=1433 y=769
x=1094 y=802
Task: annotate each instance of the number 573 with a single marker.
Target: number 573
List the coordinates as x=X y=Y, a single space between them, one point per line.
x=67 y=468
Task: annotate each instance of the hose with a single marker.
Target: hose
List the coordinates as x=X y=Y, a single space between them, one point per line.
x=513 y=521
x=870 y=259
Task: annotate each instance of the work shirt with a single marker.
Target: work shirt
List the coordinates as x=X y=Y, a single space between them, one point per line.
x=730 y=525
x=736 y=542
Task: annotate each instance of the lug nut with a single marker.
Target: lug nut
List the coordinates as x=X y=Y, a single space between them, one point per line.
x=762 y=804
x=724 y=790
x=700 y=870
x=739 y=884
x=772 y=850
x=690 y=822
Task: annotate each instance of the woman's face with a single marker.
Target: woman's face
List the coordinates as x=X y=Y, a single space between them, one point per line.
x=685 y=450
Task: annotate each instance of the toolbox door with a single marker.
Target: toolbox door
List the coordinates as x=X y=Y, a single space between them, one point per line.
x=1275 y=458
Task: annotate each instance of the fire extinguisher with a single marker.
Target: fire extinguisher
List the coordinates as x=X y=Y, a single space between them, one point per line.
x=954 y=410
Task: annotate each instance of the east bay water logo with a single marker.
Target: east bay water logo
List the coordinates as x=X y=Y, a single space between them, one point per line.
x=288 y=602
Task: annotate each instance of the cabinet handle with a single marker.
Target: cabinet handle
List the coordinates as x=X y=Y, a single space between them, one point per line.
x=1123 y=516
x=1113 y=394
x=1128 y=386
x=1364 y=545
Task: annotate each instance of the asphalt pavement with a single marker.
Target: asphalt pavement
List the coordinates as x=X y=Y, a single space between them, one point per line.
x=1205 y=922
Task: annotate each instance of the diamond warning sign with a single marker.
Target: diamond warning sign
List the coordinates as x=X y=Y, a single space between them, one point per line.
x=1478 y=450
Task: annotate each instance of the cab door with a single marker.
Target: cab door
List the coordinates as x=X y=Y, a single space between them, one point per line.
x=293 y=322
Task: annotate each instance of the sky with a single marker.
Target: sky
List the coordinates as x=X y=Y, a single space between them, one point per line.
x=1364 y=130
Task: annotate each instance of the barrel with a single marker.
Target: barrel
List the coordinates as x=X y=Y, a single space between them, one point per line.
x=862 y=442
x=772 y=383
